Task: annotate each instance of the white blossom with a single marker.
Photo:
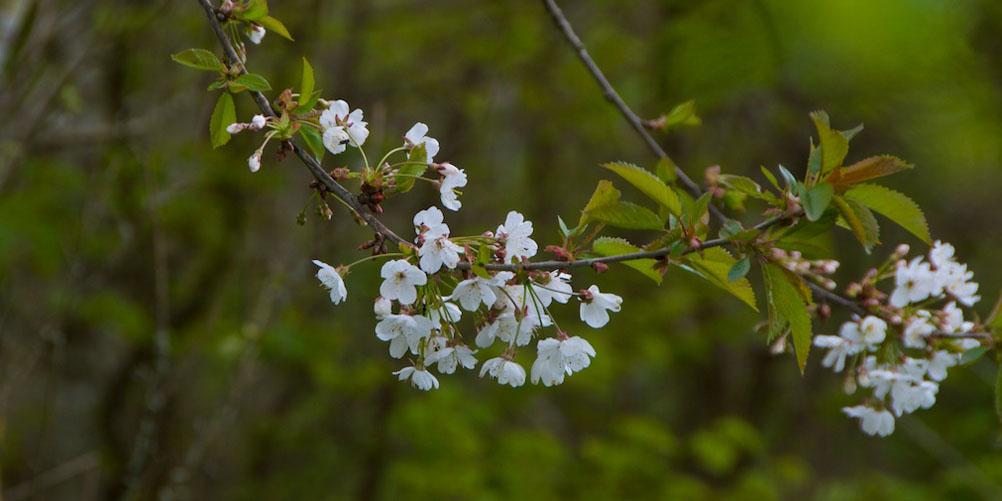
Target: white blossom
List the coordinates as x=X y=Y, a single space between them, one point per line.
x=504 y=370
x=448 y=312
x=332 y=280
x=556 y=288
x=918 y=329
x=872 y=421
x=352 y=127
x=913 y=282
x=595 y=305
x=439 y=251
x=939 y=362
x=941 y=254
x=473 y=291
x=419 y=378
x=838 y=349
x=335 y=139
x=254 y=162
x=382 y=307
x=429 y=223
x=449 y=357
x=399 y=279
x=516 y=232
x=404 y=332
x=557 y=358
x=872 y=330
x=417 y=135
x=452 y=178
x=255 y=33
x=510 y=328
x=258 y=122
x=235 y=128
x=954 y=278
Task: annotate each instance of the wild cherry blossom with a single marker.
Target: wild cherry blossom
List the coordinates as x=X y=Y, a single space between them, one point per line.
x=419 y=378
x=596 y=305
x=839 y=347
x=399 y=279
x=473 y=291
x=504 y=370
x=429 y=222
x=438 y=251
x=417 y=135
x=256 y=33
x=940 y=362
x=382 y=307
x=872 y=421
x=332 y=280
x=254 y=162
x=556 y=358
x=515 y=233
x=913 y=282
x=448 y=312
x=353 y=128
x=452 y=178
x=404 y=332
x=449 y=357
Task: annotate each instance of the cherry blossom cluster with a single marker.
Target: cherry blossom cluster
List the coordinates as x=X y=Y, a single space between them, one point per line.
x=429 y=288
x=902 y=360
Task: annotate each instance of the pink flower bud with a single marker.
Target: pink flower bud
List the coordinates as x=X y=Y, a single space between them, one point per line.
x=235 y=128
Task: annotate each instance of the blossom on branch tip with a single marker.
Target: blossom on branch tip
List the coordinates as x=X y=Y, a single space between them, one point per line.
x=452 y=178
x=504 y=370
x=419 y=378
x=331 y=279
x=399 y=281
x=596 y=305
x=351 y=125
x=417 y=135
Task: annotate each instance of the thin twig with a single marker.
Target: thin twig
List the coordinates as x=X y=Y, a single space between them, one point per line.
x=613 y=97
x=311 y=163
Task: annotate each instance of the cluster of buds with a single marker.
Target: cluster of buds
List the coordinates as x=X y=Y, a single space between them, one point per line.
x=817 y=270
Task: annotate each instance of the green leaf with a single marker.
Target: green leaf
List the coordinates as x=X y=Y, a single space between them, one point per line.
x=788 y=306
x=739 y=270
x=200 y=59
x=714 y=265
x=816 y=200
x=791 y=181
x=417 y=161
x=480 y=271
x=608 y=246
x=308 y=104
x=895 y=206
x=665 y=170
x=814 y=161
x=998 y=395
x=255 y=10
x=747 y=186
x=223 y=115
x=627 y=215
x=994 y=319
x=483 y=254
x=859 y=219
x=254 y=82
x=834 y=145
x=972 y=355
x=649 y=184
x=313 y=140
x=275 y=25
x=866 y=169
x=851 y=133
x=772 y=179
x=681 y=114
x=604 y=194
x=730 y=228
x=307 y=81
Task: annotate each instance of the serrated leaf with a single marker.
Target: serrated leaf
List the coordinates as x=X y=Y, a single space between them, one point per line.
x=609 y=246
x=681 y=114
x=627 y=215
x=307 y=81
x=648 y=184
x=416 y=165
x=714 y=264
x=272 y=24
x=223 y=115
x=789 y=307
x=851 y=133
x=895 y=206
x=730 y=228
x=747 y=186
x=200 y=59
x=254 y=82
x=866 y=169
x=665 y=240
x=604 y=194
x=814 y=160
x=480 y=271
x=313 y=141
x=859 y=220
x=739 y=269
x=772 y=179
x=834 y=146
x=816 y=200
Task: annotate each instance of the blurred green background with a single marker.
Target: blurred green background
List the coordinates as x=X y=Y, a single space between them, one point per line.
x=120 y=225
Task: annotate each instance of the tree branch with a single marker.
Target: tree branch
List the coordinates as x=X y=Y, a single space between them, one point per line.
x=311 y=163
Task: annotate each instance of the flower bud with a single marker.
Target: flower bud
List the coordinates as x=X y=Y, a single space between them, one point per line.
x=901 y=251
x=382 y=307
x=257 y=123
x=600 y=267
x=235 y=128
x=254 y=162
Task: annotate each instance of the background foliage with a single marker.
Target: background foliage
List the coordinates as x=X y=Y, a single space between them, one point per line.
x=119 y=221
